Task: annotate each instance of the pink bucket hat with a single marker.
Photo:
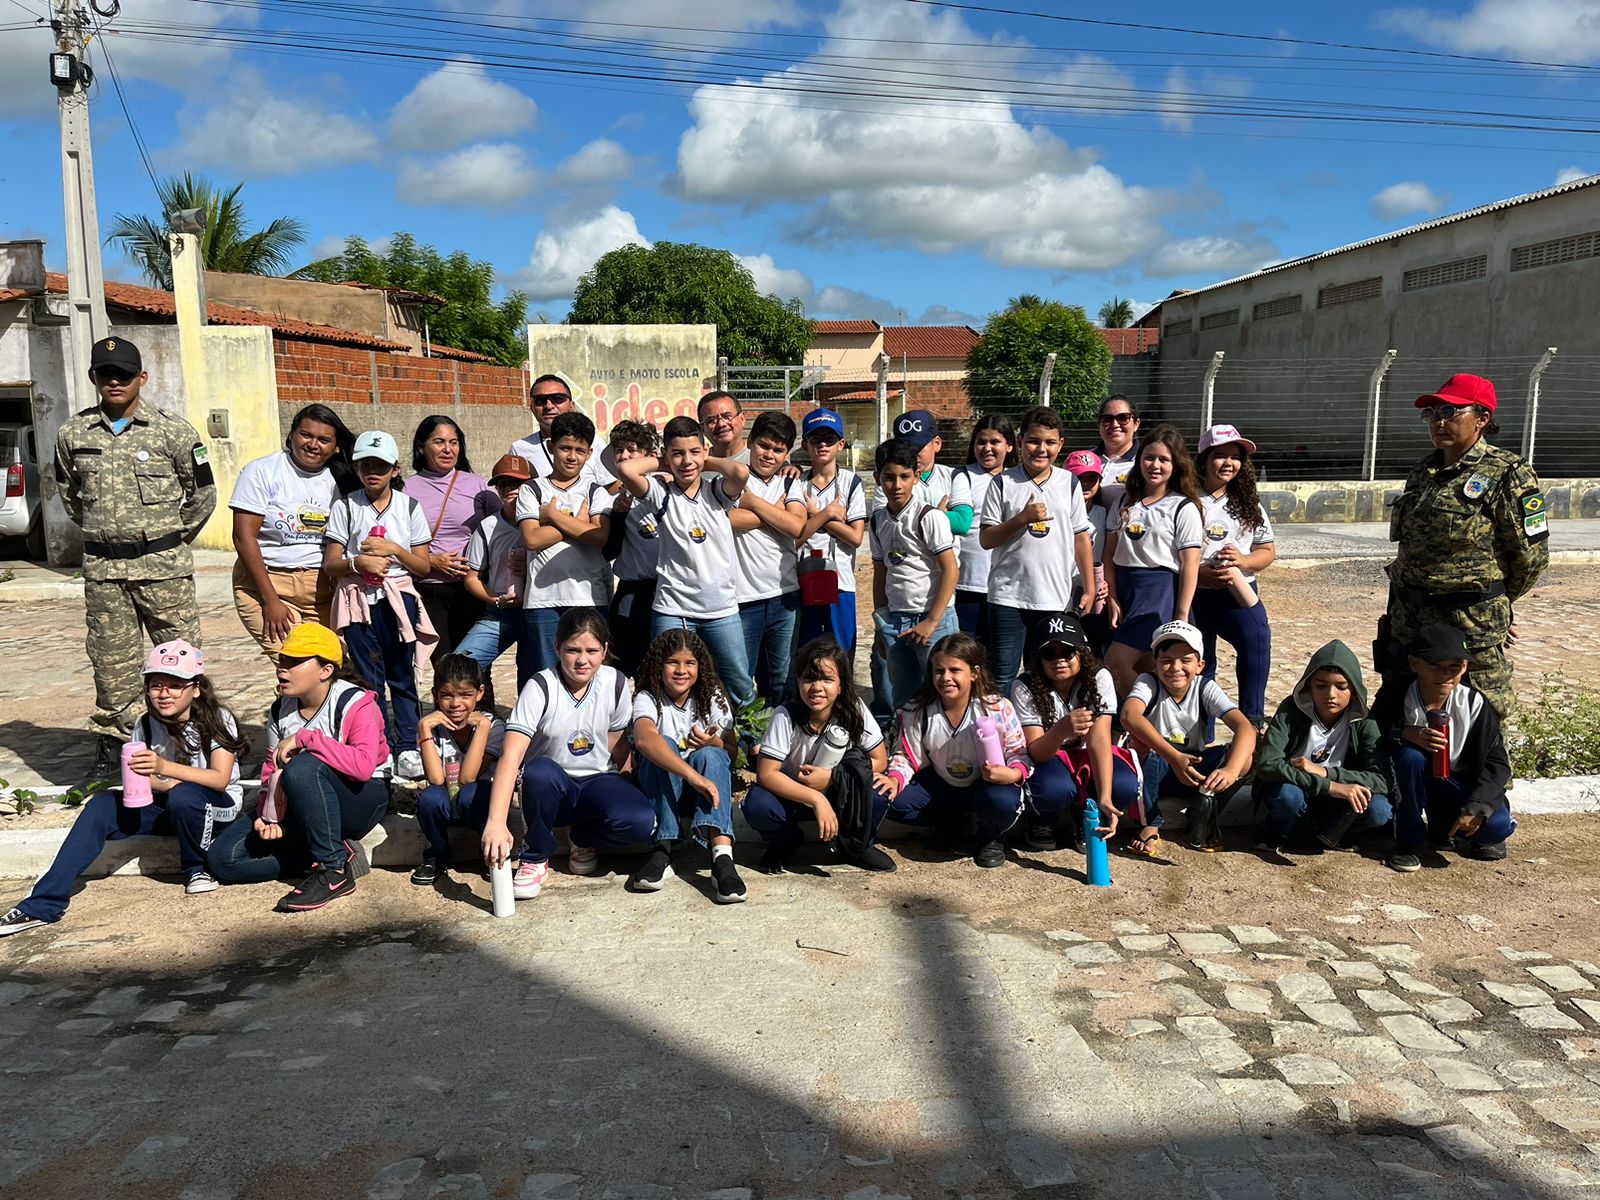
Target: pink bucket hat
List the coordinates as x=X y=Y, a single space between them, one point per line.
x=178 y=659
x=1085 y=462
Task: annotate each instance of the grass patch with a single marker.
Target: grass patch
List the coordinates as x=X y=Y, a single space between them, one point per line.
x=1557 y=734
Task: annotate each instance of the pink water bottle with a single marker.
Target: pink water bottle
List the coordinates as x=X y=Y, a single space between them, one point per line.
x=135 y=787
x=452 y=778
x=367 y=577
x=989 y=738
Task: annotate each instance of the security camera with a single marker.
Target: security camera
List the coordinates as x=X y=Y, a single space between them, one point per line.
x=187 y=220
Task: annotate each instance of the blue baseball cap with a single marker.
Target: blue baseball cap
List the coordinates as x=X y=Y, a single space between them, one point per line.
x=917 y=426
x=819 y=419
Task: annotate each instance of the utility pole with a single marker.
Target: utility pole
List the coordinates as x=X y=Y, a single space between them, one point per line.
x=85 y=283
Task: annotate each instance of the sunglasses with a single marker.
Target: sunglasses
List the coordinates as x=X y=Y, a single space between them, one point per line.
x=1116 y=418
x=1058 y=650
x=112 y=375
x=550 y=399
x=1443 y=412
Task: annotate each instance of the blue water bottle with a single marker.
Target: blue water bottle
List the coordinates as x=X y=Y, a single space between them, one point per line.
x=1097 y=863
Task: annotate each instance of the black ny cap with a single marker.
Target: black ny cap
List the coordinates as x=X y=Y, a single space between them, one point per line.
x=1057 y=627
x=115 y=352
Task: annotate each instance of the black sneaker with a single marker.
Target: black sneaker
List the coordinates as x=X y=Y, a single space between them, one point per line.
x=990 y=854
x=1039 y=834
x=1403 y=861
x=1485 y=851
x=320 y=889
x=653 y=873
x=17 y=921
x=868 y=858
x=358 y=864
x=730 y=888
x=427 y=874
x=780 y=850
x=107 y=757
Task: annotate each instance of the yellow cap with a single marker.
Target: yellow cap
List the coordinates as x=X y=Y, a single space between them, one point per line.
x=310 y=640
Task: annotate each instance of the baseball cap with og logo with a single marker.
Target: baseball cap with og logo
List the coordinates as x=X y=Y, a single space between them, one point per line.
x=917 y=426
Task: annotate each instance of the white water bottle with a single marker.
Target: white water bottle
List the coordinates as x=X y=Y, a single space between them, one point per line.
x=500 y=885
x=831 y=745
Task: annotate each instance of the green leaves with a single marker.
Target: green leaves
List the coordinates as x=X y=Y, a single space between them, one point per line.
x=1558 y=734
x=1003 y=368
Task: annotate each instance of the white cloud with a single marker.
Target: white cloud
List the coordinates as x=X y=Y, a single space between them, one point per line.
x=1213 y=254
x=1550 y=30
x=600 y=161
x=456 y=104
x=1569 y=174
x=1410 y=197
x=1182 y=98
x=941 y=314
x=842 y=303
x=683 y=22
x=775 y=280
x=256 y=131
x=563 y=252
x=488 y=175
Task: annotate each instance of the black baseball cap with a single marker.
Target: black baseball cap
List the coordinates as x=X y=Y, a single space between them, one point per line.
x=1057 y=627
x=115 y=352
x=1440 y=643
x=918 y=426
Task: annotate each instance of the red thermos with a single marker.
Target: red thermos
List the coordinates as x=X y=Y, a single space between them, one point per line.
x=1439 y=720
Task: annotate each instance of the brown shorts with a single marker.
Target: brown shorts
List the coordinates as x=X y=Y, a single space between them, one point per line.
x=307 y=592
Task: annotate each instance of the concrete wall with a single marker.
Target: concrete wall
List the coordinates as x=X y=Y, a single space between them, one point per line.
x=628 y=372
x=22 y=265
x=304 y=300
x=848 y=356
x=241 y=383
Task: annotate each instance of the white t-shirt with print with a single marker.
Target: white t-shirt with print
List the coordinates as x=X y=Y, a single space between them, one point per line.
x=1037 y=568
x=568 y=574
x=354 y=519
x=533 y=449
x=943 y=483
x=293 y=505
x=1104 y=690
x=847 y=488
x=795 y=746
x=490 y=550
x=1326 y=745
x=696 y=576
x=191 y=753
x=675 y=721
x=1182 y=722
x=1114 y=478
x=641 y=538
x=909 y=543
x=766 y=559
x=953 y=751
x=573 y=732
x=1222 y=528
x=974 y=558
x=1152 y=532
x=1097 y=532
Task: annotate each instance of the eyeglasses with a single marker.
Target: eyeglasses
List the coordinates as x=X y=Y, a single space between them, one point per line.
x=1443 y=412
x=550 y=399
x=112 y=375
x=174 y=688
x=1116 y=418
x=722 y=418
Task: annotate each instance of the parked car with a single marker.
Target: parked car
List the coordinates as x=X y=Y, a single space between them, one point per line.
x=21 y=515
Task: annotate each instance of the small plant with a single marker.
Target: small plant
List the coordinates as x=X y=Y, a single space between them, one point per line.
x=1558 y=734
x=7 y=575
x=74 y=797
x=20 y=801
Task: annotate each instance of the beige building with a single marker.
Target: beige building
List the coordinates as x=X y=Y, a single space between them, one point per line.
x=393 y=314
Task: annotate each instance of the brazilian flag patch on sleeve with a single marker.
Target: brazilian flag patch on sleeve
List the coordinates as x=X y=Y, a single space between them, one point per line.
x=1535 y=521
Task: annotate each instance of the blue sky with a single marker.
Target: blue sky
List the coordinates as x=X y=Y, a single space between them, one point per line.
x=894 y=159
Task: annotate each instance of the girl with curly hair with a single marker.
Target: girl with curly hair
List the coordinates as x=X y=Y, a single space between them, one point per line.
x=683 y=733
x=1238 y=545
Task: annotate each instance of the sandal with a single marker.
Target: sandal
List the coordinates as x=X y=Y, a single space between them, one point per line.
x=1147 y=843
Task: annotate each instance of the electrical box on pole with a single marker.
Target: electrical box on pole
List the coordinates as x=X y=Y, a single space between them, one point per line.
x=71 y=74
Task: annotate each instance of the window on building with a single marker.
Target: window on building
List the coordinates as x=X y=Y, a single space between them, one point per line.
x=1460 y=271
x=1284 y=306
x=1220 y=320
x=1561 y=250
x=1175 y=328
x=1349 y=293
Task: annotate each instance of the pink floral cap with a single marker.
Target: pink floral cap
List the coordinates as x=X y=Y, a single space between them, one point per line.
x=178 y=659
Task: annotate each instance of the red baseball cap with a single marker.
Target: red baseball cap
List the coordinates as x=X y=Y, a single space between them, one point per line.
x=1461 y=389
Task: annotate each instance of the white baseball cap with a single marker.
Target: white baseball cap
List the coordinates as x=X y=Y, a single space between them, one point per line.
x=1180 y=631
x=375 y=443
x=1221 y=435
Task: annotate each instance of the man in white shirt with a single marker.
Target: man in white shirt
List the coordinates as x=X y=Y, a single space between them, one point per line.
x=723 y=420
x=549 y=397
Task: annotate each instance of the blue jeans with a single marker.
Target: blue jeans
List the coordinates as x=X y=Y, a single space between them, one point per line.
x=1159 y=781
x=381 y=658
x=602 y=811
x=322 y=809
x=538 y=649
x=436 y=813
x=1287 y=805
x=492 y=635
x=181 y=812
x=1052 y=789
x=1008 y=636
x=1425 y=807
x=769 y=627
x=774 y=818
x=972 y=614
x=836 y=620
x=908 y=664
x=1217 y=614
x=678 y=804
x=724 y=637
x=930 y=798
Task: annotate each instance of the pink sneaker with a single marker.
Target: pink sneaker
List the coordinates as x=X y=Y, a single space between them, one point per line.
x=528 y=878
x=583 y=861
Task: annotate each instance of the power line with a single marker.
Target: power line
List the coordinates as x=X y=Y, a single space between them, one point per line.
x=127 y=112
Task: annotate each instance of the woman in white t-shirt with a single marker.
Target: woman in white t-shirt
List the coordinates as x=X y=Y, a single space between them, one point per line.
x=992 y=449
x=280 y=511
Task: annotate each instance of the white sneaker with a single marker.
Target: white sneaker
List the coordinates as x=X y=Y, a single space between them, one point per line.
x=528 y=879
x=583 y=861
x=200 y=883
x=385 y=769
x=409 y=765
x=17 y=921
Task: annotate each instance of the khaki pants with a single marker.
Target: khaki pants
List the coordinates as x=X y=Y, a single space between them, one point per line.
x=307 y=592
x=122 y=614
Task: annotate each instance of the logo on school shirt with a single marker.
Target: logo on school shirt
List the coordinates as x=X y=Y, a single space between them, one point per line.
x=1039 y=529
x=647 y=527
x=1216 y=532
x=1321 y=756
x=1135 y=529
x=1123 y=478
x=958 y=768
x=697 y=533
x=897 y=554
x=579 y=744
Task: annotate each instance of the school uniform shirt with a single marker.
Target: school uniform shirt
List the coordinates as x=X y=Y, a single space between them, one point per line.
x=846 y=487
x=1326 y=745
x=941 y=483
x=925 y=737
x=1038 y=568
x=346 y=732
x=1097 y=532
x=1223 y=529
x=1101 y=690
x=1114 y=477
x=764 y=558
x=1463 y=707
x=568 y=574
x=489 y=552
x=695 y=576
x=675 y=721
x=974 y=558
x=355 y=516
x=641 y=541
x=908 y=543
x=533 y=449
x=1153 y=532
x=573 y=732
x=192 y=754
x=452 y=745
x=795 y=746
x=293 y=505
x=1182 y=722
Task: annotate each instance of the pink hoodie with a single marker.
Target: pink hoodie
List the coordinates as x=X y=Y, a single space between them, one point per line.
x=359 y=757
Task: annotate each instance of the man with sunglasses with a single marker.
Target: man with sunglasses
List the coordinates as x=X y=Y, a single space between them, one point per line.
x=549 y=397
x=1472 y=537
x=138 y=482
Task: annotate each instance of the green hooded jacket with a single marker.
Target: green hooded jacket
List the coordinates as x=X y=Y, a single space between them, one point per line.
x=1365 y=763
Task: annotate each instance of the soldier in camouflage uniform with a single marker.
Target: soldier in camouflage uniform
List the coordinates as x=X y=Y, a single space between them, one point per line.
x=138 y=482
x=1472 y=535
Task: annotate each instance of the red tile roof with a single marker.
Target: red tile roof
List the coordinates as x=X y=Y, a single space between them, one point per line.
x=439 y=351
x=16 y=294
x=131 y=297
x=864 y=394
x=847 y=326
x=1129 y=341
x=928 y=341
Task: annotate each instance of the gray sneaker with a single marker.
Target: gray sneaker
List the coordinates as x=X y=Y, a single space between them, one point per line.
x=200 y=883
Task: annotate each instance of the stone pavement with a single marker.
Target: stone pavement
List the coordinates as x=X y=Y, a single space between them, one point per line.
x=836 y=1038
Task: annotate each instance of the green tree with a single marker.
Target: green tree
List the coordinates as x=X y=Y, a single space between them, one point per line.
x=226 y=245
x=470 y=318
x=680 y=283
x=1003 y=368
x=1116 y=313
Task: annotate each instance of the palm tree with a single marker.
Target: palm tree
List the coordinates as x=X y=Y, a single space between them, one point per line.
x=226 y=244
x=1116 y=313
